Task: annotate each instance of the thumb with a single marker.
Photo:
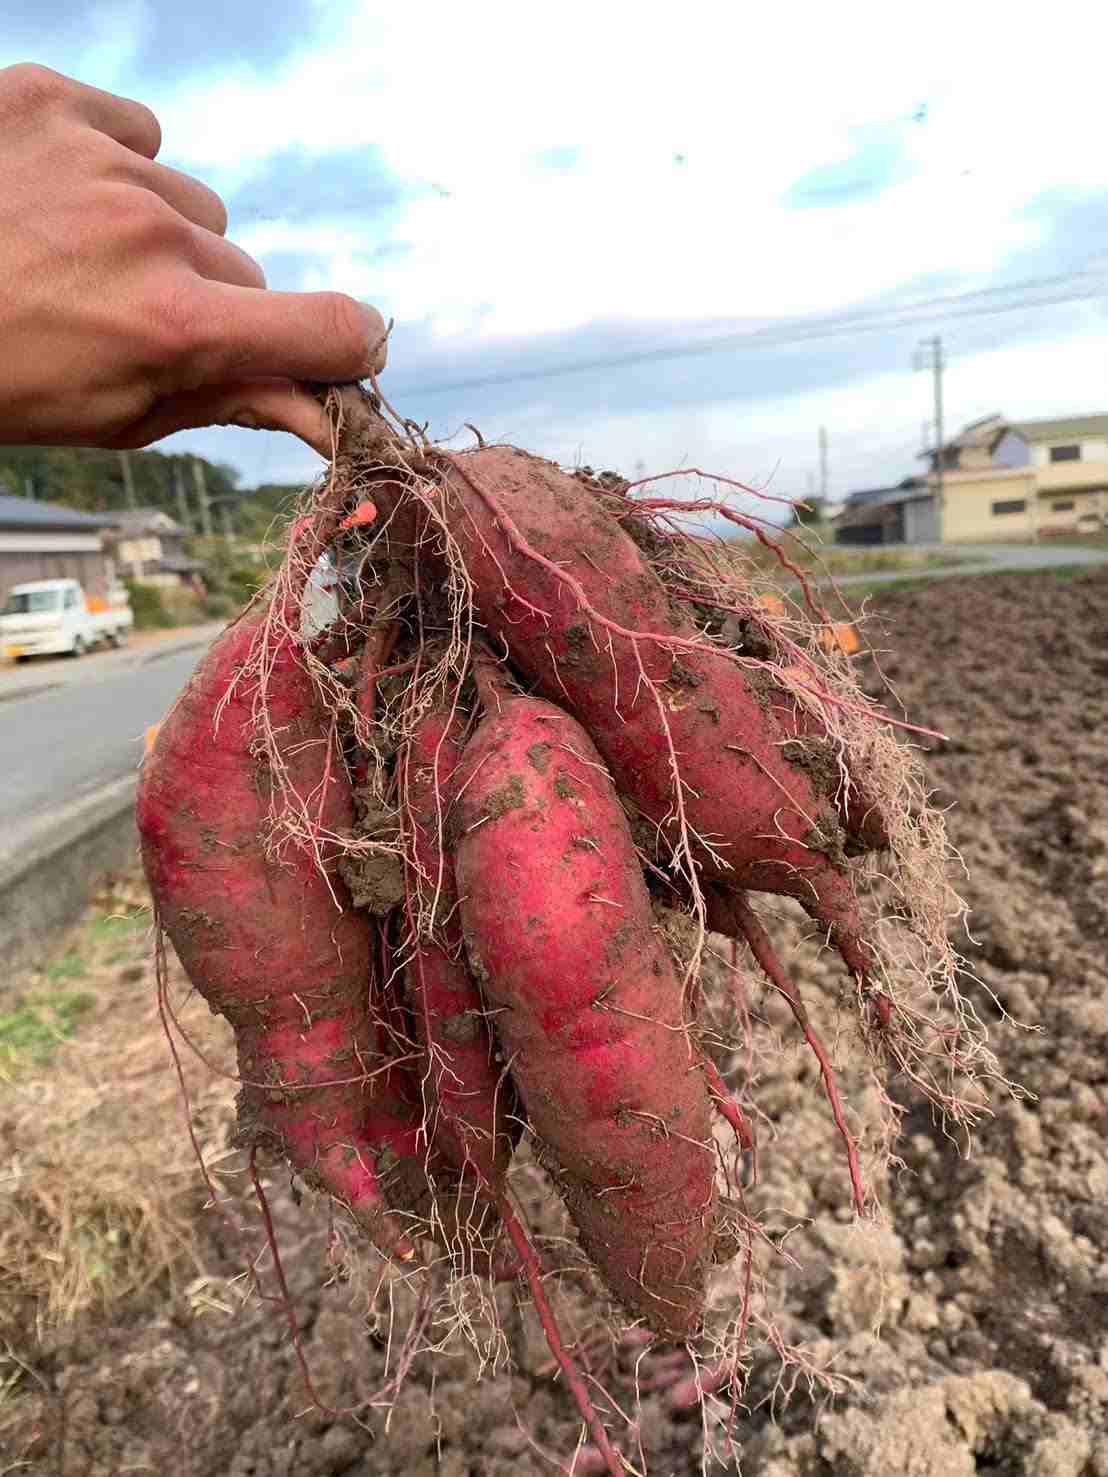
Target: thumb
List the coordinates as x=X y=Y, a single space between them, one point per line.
x=259 y=404
x=250 y=332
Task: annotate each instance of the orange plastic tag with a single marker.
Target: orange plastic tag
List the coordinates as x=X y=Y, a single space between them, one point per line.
x=364 y=513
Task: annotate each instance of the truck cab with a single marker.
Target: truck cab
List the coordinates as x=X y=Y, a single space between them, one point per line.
x=45 y=617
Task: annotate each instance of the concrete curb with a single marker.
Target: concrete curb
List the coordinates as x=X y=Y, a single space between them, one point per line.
x=46 y=885
x=202 y=636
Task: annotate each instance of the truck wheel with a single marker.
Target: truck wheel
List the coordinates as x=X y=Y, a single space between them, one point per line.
x=79 y=647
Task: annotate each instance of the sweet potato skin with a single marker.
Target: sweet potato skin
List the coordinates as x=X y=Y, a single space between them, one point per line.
x=588 y=1006
x=754 y=818
x=861 y=814
x=273 y=945
x=470 y=1102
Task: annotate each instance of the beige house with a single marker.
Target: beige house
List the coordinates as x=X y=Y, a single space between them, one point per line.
x=1024 y=479
x=1001 y=480
x=148 y=545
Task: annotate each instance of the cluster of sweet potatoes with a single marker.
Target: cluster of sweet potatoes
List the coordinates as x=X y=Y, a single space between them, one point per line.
x=535 y=734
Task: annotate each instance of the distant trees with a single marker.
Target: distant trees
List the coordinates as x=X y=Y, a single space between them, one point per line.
x=93 y=482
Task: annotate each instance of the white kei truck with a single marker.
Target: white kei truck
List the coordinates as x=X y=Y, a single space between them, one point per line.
x=54 y=617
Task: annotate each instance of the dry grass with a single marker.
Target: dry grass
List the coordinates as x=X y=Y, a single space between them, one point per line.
x=807 y=550
x=99 y=1187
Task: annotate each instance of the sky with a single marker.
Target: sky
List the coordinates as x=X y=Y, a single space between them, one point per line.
x=647 y=244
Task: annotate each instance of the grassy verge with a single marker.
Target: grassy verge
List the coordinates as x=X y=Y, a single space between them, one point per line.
x=1075 y=541
x=834 y=559
x=46 y=1007
x=99 y=1186
x=856 y=595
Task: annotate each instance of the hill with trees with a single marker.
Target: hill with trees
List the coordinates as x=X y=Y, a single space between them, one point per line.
x=203 y=496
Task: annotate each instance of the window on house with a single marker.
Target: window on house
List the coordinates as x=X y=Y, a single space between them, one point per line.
x=1010 y=505
x=1063 y=507
x=1065 y=453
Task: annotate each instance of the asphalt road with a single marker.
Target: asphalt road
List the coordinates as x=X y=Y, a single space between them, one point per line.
x=71 y=732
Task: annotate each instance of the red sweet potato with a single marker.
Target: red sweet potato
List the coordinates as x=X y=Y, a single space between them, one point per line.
x=754 y=817
x=585 y=618
x=272 y=943
x=424 y=1188
x=470 y=1103
x=587 y=1003
x=860 y=813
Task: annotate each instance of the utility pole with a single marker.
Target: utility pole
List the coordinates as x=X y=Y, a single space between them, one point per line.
x=823 y=463
x=202 y=496
x=930 y=357
x=128 y=479
x=184 y=517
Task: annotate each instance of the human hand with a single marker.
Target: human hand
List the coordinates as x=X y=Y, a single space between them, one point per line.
x=124 y=313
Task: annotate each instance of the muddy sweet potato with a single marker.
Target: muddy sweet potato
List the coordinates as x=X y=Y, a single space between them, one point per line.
x=469 y=1100
x=582 y=614
x=586 y=1000
x=270 y=939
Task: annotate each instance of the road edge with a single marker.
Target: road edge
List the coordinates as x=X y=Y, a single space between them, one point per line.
x=47 y=887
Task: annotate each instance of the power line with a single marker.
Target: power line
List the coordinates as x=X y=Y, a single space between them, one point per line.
x=780 y=334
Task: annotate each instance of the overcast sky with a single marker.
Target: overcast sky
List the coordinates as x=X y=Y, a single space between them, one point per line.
x=808 y=190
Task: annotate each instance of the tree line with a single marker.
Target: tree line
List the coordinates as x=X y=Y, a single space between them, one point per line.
x=201 y=495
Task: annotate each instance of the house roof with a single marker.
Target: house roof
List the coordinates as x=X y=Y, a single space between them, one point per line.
x=985 y=431
x=867 y=506
x=981 y=432
x=899 y=492
x=24 y=513
x=1062 y=427
x=130 y=521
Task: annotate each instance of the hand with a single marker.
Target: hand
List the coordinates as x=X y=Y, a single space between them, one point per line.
x=124 y=313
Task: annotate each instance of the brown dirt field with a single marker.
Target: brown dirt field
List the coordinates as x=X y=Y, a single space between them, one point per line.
x=988 y=1281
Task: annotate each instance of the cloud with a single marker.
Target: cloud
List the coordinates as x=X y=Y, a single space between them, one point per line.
x=878 y=160
x=1074 y=226
x=559 y=156
x=295 y=184
x=23 y=29
x=169 y=41
x=745 y=376
x=299 y=271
